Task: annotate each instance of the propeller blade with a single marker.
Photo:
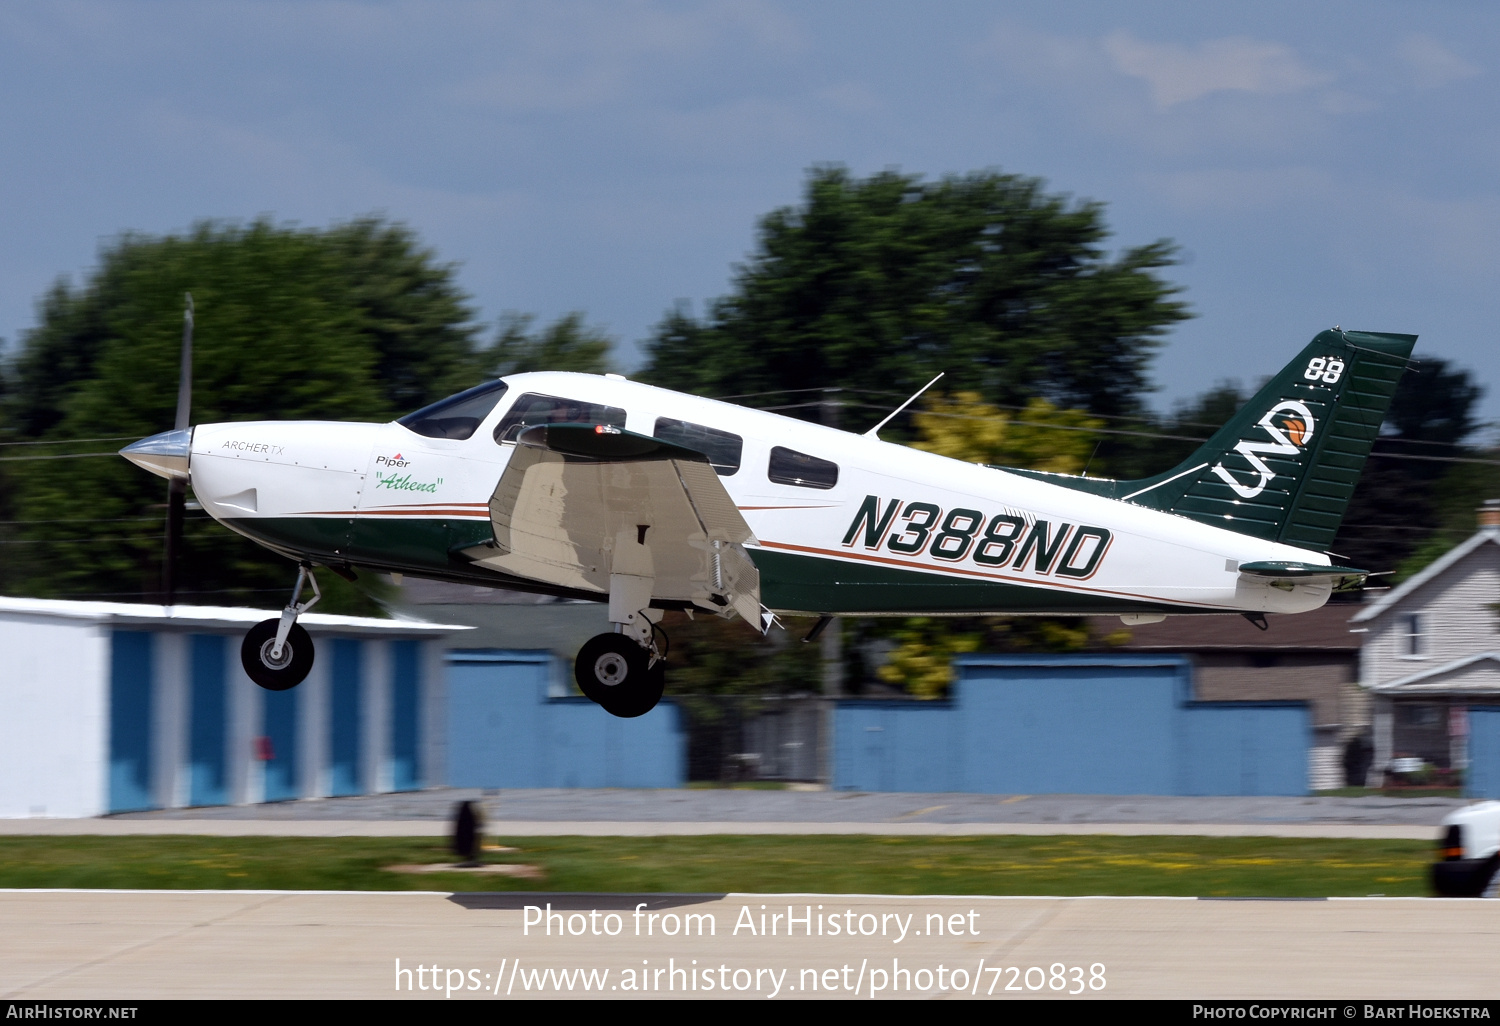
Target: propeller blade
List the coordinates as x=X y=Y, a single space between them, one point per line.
x=177 y=487
x=185 y=374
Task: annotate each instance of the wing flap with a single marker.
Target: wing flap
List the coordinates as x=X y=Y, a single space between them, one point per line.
x=578 y=503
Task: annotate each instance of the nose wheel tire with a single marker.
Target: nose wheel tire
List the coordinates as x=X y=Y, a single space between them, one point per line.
x=613 y=671
x=271 y=673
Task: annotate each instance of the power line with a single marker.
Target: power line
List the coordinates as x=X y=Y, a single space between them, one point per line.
x=73 y=441
x=55 y=456
x=1136 y=419
x=100 y=520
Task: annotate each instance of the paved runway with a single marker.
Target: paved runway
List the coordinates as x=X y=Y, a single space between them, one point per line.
x=136 y=945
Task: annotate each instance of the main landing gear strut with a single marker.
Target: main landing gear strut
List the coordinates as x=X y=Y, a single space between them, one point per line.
x=626 y=671
x=278 y=654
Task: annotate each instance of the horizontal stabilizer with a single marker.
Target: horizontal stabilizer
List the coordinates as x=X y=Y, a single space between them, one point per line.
x=1298 y=571
x=1345 y=578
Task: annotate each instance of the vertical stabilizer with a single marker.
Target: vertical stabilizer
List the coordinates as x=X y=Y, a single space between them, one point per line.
x=1286 y=465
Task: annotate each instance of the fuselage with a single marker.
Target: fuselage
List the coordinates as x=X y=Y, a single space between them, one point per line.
x=844 y=523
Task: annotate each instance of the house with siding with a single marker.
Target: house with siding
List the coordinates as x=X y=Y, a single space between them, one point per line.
x=1431 y=654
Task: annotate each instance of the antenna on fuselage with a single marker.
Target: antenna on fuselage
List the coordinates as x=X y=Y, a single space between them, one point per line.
x=873 y=432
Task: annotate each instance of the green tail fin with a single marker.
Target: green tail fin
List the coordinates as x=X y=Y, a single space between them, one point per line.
x=1286 y=465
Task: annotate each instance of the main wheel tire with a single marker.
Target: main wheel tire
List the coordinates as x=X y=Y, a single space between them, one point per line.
x=640 y=702
x=615 y=672
x=277 y=674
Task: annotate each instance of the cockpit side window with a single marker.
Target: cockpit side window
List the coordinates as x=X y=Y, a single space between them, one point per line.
x=790 y=467
x=533 y=408
x=722 y=448
x=458 y=415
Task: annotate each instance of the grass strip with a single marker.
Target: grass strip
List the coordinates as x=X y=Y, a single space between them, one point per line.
x=1063 y=865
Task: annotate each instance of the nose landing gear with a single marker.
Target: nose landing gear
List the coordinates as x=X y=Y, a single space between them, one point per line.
x=278 y=654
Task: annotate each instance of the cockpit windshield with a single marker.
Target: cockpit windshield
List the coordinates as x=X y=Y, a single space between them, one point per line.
x=458 y=415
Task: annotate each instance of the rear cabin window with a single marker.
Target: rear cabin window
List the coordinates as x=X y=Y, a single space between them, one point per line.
x=532 y=409
x=458 y=415
x=722 y=448
x=795 y=468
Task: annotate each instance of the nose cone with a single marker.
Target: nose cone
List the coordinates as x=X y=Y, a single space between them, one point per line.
x=165 y=455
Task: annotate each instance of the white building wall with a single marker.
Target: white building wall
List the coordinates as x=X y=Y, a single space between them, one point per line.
x=1457 y=620
x=54 y=717
x=55 y=693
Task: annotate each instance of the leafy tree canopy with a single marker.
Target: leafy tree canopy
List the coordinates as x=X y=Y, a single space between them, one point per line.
x=567 y=345
x=1040 y=437
x=881 y=282
x=354 y=322
x=1412 y=503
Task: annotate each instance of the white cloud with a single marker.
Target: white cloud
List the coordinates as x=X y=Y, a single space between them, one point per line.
x=1179 y=74
x=1230 y=93
x=1432 y=64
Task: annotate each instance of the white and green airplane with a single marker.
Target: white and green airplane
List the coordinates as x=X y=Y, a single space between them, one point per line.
x=596 y=487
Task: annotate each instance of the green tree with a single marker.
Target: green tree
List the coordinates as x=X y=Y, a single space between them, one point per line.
x=355 y=322
x=1040 y=437
x=1455 y=500
x=566 y=345
x=1412 y=502
x=879 y=283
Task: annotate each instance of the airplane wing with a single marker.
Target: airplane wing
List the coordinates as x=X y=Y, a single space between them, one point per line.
x=579 y=503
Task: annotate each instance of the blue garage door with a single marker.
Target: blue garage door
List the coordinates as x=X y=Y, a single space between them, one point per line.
x=281 y=738
x=405 y=712
x=496 y=720
x=1484 y=752
x=345 y=710
x=208 y=717
x=130 y=711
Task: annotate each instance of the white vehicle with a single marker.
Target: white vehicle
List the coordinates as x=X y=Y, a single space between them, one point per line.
x=600 y=488
x=1468 y=863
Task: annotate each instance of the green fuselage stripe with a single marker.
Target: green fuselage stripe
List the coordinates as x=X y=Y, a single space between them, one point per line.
x=816 y=584
x=788 y=581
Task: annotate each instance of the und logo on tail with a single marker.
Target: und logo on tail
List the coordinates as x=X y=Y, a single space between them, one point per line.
x=1294 y=433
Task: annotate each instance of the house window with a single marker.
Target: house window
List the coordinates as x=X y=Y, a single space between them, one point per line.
x=1413 y=642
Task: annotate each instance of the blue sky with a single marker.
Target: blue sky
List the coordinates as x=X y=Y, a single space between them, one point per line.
x=1319 y=164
